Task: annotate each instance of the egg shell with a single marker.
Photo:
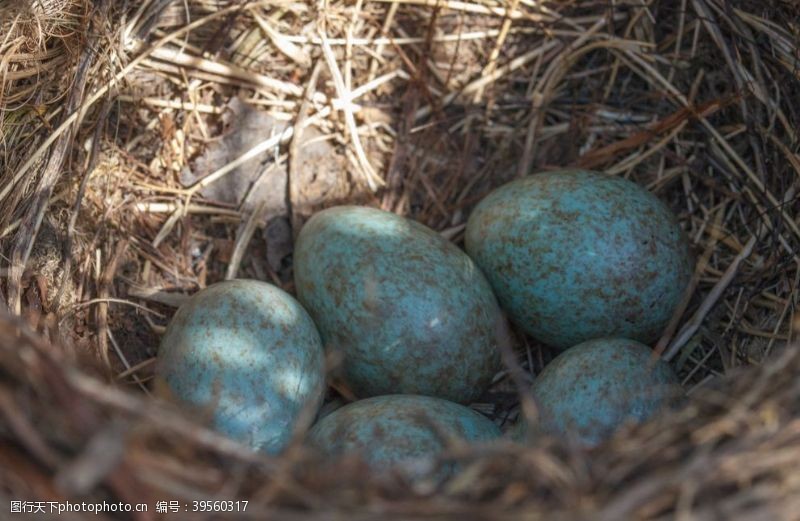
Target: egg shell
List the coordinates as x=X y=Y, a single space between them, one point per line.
x=247 y=356
x=392 y=429
x=407 y=310
x=590 y=390
x=576 y=255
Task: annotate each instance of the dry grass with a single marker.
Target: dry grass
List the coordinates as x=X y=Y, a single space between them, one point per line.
x=427 y=105
x=67 y=435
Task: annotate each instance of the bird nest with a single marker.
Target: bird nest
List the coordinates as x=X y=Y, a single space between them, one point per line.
x=152 y=148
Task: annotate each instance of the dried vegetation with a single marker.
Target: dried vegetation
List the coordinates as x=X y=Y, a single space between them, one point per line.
x=152 y=148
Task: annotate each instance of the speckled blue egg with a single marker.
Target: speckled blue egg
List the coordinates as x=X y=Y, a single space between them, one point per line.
x=591 y=389
x=407 y=311
x=388 y=430
x=576 y=255
x=247 y=356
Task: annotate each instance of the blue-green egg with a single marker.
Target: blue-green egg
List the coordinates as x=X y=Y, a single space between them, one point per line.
x=590 y=390
x=246 y=356
x=406 y=310
x=385 y=431
x=576 y=255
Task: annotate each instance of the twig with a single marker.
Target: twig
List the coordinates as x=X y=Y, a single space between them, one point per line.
x=498 y=45
x=170 y=299
x=474 y=8
x=176 y=56
x=111 y=300
x=171 y=104
x=371 y=177
x=713 y=296
x=243 y=240
x=295 y=53
x=102 y=308
x=379 y=45
x=294 y=148
x=125 y=362
x=700 y=268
